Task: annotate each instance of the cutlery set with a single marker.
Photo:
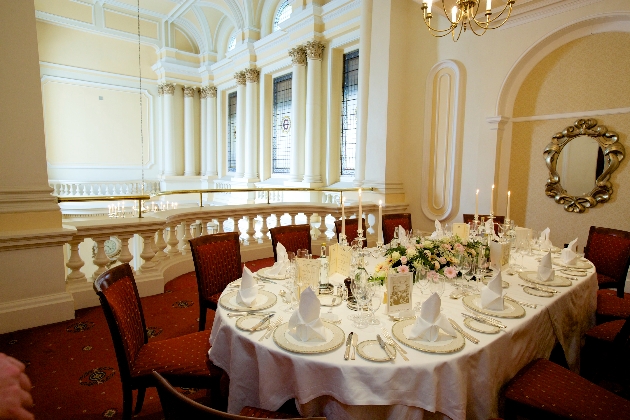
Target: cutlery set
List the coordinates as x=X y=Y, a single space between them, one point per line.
x=245 y=313
x=261 y=323
x=462 y=332
x=520 y=302
x=485 y=319
x=539 y=287
x=271 y=328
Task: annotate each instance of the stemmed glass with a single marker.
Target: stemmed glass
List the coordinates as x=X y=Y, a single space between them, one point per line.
x=422 y=283
x=291 y=284
x=436 y=283
x=361 y=293
x=375 y=300
x=457 y=265
x=480 y=272
x=466 y=270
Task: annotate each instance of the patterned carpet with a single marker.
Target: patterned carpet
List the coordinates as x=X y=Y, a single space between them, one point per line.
x=72 y=365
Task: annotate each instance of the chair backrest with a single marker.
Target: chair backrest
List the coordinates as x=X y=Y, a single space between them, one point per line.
x=293 y=237
x=352 y=228
x=609 y=250
x=117 y=291
x=176 y=406
x=217 y=261
x=469 y=218
x=392 y=221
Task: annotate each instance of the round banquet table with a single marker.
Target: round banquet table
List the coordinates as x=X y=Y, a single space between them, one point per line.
x=461 y=385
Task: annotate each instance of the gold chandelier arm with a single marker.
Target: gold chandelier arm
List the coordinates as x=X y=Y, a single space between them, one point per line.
x=508 y=7
x=440 y=32
x=472 y=29
x=458 y=33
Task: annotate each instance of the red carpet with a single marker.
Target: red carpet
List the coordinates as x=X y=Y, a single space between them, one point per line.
x=72 y=365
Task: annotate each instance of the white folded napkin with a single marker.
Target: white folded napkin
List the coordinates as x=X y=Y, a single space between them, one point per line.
x=305 y=324
x=248 y=291
x=492 y=294
x=428 y=324
x=438 y=233
x=545 y=269
x=545 y=242
x=402 y=236
x=280 y=266
x=569 y=254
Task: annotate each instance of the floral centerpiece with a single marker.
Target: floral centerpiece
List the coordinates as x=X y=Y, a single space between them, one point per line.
x=436 y=255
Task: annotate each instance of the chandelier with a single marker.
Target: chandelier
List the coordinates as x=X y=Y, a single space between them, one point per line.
x=463 y=15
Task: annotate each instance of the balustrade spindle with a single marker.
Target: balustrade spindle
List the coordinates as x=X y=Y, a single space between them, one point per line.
x=160 y=245
x=100 y=259
x=173 y=242
x=125 y=256
x=75 y=263
x=264 y=229
x=323 y=228
x=250 y=233
x=187 y=236
x=147 y=251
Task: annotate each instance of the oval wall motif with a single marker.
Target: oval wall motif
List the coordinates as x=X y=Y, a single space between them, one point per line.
x=442 y=137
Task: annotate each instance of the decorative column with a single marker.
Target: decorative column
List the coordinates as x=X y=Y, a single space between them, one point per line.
x=241 y=80
x=210 y=155
x=298 y=112
x=251 y=123
x=312 y=170
x=203 y=95
x=189 y=132
x=166 y=91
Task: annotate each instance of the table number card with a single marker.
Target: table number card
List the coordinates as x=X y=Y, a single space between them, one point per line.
x=462 y=230
x=499 y=255
x=339 y=261
x=308 y=273
x=399 y=291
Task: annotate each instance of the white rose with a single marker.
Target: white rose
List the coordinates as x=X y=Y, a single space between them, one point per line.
x=395 y=256
x=411 y=252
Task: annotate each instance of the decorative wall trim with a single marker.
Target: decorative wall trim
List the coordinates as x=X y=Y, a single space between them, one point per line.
x=48 y=67
x=442 y=140
x=133 y=16
x=541 y=9
x=10 y=241
x=32 y=312
x=578 y=114
x=23 y=201
x=335 y=9
x=346 y=39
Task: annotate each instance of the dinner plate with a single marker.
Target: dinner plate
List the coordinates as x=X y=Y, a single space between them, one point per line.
x=335 y=337
x=246 y=322
x=504 y=284
x=536 y=292
x=264 y=273
x=532 y=276
x=372 y=351
x=264 y=300
x=579 y=264
x=326 y=300
x=511 y=309
x=444 y=344
x=475 y=325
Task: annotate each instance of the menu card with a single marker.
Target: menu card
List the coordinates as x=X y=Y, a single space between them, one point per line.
x=499 y=255
x=462 y=230
x=308 y=273
x=339 y=260
x=399 y=291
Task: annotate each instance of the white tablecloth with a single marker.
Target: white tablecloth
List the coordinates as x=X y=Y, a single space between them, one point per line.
x=462 y=385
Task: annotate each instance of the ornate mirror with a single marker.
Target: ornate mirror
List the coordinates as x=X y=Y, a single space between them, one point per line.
x=581 y=160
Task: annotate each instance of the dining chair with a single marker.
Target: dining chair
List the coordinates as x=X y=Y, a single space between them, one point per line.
x=545 y=390
x=392 y=221
x=604 y=355
x=293 y=237
x=468 y=218
x=184 y=360
x=217 y=260
x=352 y=229
x=609 y=250
x=176 y=406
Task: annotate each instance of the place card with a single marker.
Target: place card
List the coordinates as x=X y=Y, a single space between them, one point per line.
x=462 y=230
x=399 y=291
x=308 y=273
x=499 y=255
x=339 y=260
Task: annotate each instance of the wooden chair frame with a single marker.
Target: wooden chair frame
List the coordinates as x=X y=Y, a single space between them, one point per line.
x=621 y=282
x=279 y=231
x=388 y=233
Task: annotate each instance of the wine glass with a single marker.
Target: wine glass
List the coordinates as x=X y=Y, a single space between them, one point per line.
x=466 y=270
x=457 y=265
x=482 y=264
x=376 y=298
x=361 y=293
x=436 y=284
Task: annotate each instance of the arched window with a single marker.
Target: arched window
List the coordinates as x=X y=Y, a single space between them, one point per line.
x=232 y=42
x=283 y=13
x=349 y=111
x=281 y=138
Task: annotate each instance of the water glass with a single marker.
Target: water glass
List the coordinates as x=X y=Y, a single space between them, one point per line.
x=375 y=301
x=436 y=284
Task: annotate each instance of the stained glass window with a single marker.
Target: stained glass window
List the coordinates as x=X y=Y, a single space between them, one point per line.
x=282 y=14
x=349 y=111
x=231 y=137
x=281 y=141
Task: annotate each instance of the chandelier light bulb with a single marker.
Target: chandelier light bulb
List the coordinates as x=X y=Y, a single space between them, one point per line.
x=429 y=3
x=454 y=14
x=489 y=5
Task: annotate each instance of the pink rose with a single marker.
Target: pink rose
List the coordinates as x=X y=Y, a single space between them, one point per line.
x=403 y=269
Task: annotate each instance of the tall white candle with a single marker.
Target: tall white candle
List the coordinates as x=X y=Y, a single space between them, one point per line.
x=492 y=200
x=454 y=14
x=489 y=5
x=507 y=212
x=380 y=221
x=429 y=4
x=477 y=205
x=343 y=216
x=360 y=216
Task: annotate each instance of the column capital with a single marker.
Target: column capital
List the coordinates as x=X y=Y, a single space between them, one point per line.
x=241 y=77
x=314 y=50
x=189 y=91
x=166 y=89
x=298 y=55
x=252 y=75
x=208 y=92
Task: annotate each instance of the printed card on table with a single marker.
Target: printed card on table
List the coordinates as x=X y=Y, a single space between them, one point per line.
x=340 y=258
x=399 y=291
x=308 y=273
x=499 y=256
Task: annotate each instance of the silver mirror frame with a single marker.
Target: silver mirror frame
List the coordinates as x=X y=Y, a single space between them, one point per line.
x=613 y=154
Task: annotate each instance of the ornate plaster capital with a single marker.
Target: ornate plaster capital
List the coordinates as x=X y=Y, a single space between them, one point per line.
x=298 y=55
x=253 y=75
x=314 y=50
x=189 y=91
x=166 y=89
x=208 y=92
x=241 y=77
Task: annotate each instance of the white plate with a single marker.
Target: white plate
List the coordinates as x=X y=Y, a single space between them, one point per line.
x=444 y=344
x=246 y=322
x=504 y=284
x=326 y=300
x=371 y=350
x=264 y=273
x=264 y=300
x=579 y=264
x=511 y=309
x=335 y=337
x=536 y=292
x=475 y=325
x=532 y=276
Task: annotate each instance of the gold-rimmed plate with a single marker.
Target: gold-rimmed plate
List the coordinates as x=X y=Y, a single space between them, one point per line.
x=264 y=300
x=475 y=325
x=335 y=337
x=246 y=322
x=532 y=277
x=581 y=264
x=265 y=274
x=371 y=350
x=510 y=309
x=444 y=344
x=536 y=292
x=574 y=272
x=504 y=284
x=327 y=300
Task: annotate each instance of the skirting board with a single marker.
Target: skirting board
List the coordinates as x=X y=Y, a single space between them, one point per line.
x=33 y=312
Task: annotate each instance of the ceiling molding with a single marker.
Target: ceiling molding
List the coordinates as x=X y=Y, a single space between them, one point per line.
x=534 y=10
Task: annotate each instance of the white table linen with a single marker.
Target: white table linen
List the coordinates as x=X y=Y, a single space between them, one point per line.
x=461 y=385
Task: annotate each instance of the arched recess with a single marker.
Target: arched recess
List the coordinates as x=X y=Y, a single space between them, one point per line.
x=442 y=140
x=222 y=35
x=189 y=31
x=266 y=16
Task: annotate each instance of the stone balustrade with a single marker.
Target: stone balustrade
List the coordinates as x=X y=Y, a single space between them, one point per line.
x=87 y=189
x=157 y=246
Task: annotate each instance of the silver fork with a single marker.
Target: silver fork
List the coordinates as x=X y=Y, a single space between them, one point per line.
x=389 y=340
x=272 y=327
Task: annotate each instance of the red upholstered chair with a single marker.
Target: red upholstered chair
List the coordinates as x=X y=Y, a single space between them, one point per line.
x=545 y=390
x=468 y=218
x=293 y=237
x=217 y=261
x=176 y=406
x=184 y=360
x=392 y=221
x=352 y=228
x=609 y=250
x=604 y=355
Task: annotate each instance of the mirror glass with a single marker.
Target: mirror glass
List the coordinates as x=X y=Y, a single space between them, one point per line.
x=579 y=164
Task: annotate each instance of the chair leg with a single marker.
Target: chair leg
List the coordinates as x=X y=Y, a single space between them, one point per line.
x=202 y=316
x=127 y=402
x=140 y=400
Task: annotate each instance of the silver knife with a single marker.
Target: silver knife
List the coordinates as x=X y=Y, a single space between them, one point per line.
x=384 y=347
x=520 y=302
x=355 y=341
x=539 y=287
x=261 y=323
x=488 y=321
x=346 y=355
x=464 y=333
